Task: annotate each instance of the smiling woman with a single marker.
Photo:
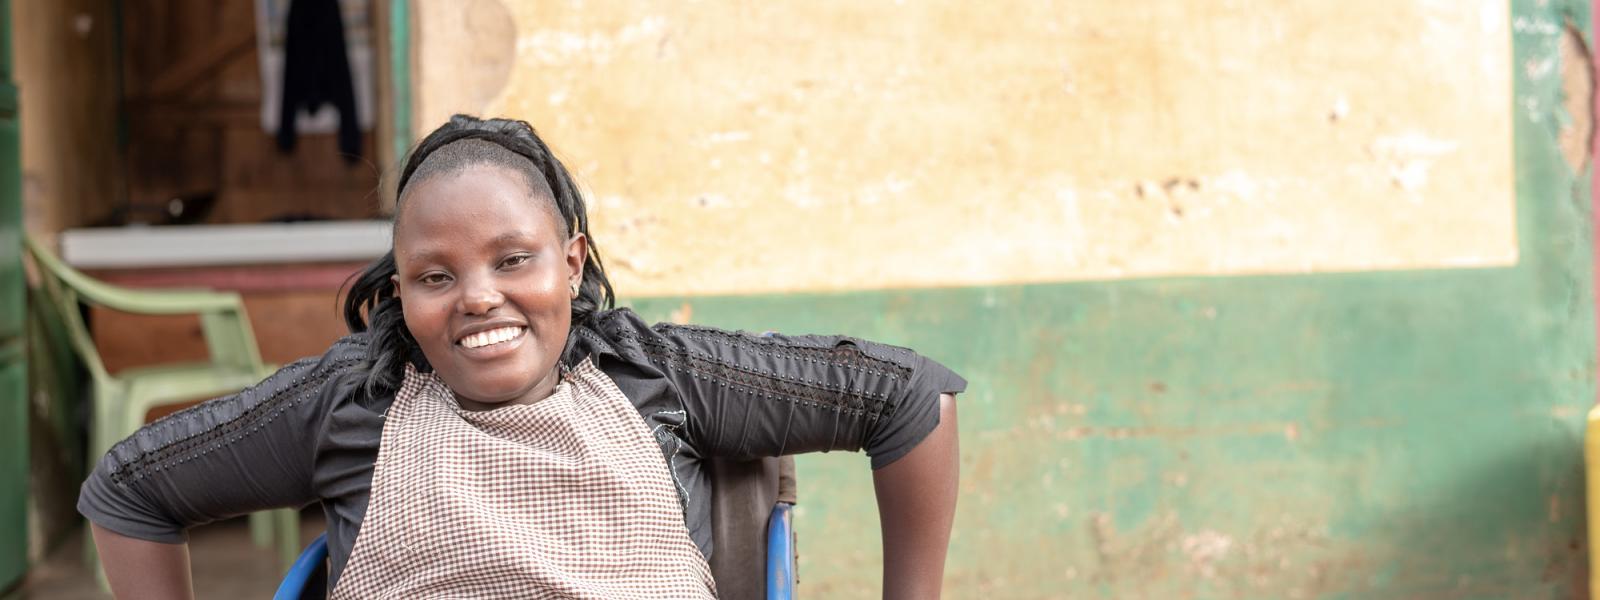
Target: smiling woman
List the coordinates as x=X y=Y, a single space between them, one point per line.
x=492 y=427
x=486 y=275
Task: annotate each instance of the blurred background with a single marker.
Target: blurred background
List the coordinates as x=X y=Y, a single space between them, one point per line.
x=1256 y=299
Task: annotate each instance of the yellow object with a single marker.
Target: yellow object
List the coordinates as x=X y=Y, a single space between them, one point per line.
x=1591 y=470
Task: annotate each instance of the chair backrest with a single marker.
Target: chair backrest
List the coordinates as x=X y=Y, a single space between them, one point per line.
x=783 y=553
x=223 y=322
x=56 y=284
x=743 y=494
x=308 y=576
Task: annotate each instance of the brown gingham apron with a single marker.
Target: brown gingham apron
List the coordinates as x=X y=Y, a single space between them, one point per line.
x=568 y=497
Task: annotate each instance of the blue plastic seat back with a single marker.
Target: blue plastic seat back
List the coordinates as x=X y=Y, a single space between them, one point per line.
x=308 y=577
x=781 y=553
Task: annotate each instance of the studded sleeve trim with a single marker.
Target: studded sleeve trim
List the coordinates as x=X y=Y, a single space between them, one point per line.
x=750 y=396
x=229 y=456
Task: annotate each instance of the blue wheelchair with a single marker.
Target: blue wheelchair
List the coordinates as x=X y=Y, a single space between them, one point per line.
x=740 y=490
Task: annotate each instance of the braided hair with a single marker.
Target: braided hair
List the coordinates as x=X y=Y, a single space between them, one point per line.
x=372 y=302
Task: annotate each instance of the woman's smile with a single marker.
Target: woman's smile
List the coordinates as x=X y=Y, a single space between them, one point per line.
x=492 y=344
x=492 y=337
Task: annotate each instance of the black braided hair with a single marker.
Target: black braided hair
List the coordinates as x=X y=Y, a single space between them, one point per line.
x=372 y=304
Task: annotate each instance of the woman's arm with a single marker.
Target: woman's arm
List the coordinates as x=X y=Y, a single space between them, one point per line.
x=916 y=504
x=747 y=396
x=229 y=456
x=141 y=569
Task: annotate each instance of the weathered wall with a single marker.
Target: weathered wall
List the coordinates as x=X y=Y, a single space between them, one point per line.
x=1005 y=142
x=66 y=71
x=66 y=74
x=1342 y=413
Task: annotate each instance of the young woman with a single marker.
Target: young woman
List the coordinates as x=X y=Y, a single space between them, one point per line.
x=493 y=428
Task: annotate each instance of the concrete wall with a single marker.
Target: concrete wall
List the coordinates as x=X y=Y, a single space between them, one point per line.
x=1086 y=141
x=1257 y=300
x=67 y=72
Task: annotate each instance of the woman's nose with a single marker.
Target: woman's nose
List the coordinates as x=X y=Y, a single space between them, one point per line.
x=480 y=296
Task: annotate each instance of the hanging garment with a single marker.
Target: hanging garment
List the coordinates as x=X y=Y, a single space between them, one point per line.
x=316 y=71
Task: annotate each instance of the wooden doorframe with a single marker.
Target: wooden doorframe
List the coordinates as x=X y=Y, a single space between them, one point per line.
x=395 y=68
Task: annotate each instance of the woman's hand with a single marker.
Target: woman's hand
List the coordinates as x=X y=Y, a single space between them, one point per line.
x=916 y=505
x=140 y=569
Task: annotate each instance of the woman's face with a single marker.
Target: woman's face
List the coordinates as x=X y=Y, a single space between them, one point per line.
x=484 y=271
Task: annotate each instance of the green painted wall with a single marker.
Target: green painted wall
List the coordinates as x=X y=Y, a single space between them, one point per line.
x=1397 y=434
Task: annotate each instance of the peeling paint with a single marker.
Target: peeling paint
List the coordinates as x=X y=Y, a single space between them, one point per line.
x=1340 y=109
x=1577 y=93
x=1410 y=157
x=559 y=47
x=1204 y=549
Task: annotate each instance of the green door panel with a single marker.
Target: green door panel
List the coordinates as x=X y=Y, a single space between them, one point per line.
x=13 y=472
x=13 y=363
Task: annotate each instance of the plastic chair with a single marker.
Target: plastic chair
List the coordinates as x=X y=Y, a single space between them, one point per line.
x=307 y=579
x=119 y=402
x=308 y=576
x=781 y=553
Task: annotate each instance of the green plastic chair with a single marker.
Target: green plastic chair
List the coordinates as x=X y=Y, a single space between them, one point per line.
x=120 y=401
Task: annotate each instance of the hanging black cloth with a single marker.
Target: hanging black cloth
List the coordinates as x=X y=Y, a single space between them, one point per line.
x=316 y=71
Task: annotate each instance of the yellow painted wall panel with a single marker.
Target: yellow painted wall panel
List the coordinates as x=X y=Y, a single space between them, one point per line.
x=828 y=145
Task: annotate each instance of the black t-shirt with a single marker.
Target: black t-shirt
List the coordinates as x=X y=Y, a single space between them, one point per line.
x=309 y=434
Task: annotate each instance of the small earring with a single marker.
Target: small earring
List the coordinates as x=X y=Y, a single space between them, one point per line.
x=574 y=289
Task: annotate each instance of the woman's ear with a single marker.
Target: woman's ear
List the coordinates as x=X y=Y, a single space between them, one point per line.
x=577 y=255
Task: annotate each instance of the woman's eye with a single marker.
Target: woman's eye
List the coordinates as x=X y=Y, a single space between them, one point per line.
x=514 y=261
x=433 y=279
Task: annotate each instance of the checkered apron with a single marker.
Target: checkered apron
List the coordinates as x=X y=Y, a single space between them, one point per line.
x=568 y=497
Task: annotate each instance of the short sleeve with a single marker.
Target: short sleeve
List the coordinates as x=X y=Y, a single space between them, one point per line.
x=228 y=456
x=749 y=396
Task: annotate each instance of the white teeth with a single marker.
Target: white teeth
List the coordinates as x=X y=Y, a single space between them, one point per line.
x=492 y=336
